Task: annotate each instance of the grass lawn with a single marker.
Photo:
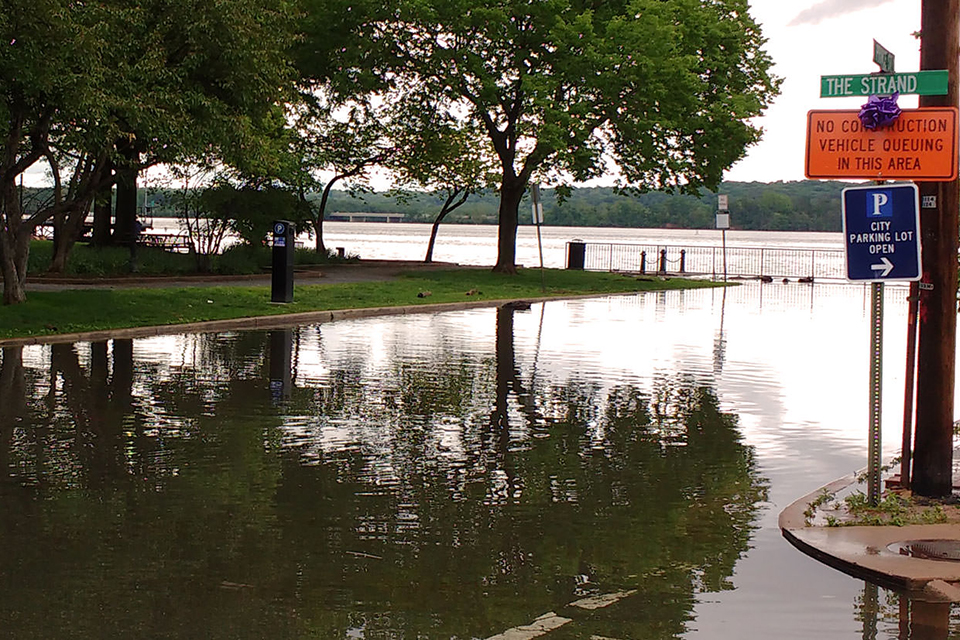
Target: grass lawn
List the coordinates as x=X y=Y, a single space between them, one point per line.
x=72 y=311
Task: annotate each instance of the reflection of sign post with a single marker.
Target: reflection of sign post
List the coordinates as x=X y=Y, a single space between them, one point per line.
x=920 y=145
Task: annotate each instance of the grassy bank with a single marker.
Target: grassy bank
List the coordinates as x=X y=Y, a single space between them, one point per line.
x=72 y=311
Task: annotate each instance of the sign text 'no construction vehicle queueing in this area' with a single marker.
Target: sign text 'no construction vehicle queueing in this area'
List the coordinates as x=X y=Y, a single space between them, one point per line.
x=920 y=145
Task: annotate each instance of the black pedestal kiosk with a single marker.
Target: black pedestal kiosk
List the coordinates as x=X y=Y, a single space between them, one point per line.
x=284 y=233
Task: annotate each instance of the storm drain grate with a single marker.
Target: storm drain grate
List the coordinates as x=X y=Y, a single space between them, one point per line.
x=928 y=549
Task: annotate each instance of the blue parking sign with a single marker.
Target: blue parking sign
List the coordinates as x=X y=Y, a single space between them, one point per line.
x=881 y=230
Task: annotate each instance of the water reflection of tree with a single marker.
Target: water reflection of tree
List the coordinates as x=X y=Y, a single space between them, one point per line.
x=13 y=402
x=588 y=493
x=465 y=503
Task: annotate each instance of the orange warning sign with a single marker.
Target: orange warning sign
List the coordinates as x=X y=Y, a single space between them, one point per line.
x=920 y=145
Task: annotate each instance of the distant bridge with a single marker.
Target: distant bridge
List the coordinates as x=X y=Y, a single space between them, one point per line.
x=364 y=216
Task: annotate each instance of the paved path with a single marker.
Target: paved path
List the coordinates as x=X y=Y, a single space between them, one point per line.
x=362 y=271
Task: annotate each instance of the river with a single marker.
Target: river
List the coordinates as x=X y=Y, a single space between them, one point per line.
x=477 y=244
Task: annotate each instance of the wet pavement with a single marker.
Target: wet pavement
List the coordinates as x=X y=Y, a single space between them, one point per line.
x=916 y=558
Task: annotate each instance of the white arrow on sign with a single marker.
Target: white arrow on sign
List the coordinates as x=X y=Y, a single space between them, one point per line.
x=886 y=266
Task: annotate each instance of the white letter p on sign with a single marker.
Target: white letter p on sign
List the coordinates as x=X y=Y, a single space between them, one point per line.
x=879 y=199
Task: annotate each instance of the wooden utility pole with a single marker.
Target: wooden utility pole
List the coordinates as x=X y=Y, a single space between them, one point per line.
x=933 y=445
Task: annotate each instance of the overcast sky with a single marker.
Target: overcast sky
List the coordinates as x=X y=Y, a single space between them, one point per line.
x=811 y=38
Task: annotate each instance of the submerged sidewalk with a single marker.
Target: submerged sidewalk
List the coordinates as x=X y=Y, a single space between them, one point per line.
x=916 y=558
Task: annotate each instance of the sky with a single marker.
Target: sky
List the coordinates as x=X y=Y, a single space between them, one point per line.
x=812 y=38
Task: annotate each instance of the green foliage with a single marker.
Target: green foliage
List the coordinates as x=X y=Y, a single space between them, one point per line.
x=813 y=206
x=114 y=262
x=893 y=509
x=100 y=262
x=822 y=498
x=91 y=86
x=663 y=90
x=251 y=211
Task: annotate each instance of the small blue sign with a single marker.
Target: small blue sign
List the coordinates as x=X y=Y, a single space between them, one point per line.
x=881 y=231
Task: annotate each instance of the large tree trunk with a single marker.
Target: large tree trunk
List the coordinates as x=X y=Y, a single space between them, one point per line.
x=318 y=231
x=103 y=211
x=433 y=234
x=68 y=229
x=14 y=246
x=126 y=209
x=14 y=252
x=511 y=192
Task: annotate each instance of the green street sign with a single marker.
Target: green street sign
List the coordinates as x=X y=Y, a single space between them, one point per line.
x=920 y=83
x=883 y=57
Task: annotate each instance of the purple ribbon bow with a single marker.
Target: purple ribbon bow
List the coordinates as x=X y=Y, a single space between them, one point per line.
x=879 y=112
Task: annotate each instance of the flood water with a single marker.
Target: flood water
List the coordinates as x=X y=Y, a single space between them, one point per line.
x=477 y=244
x=450 y=475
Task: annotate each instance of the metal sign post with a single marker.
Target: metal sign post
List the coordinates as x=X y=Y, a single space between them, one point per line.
x=881 y=230
x=538 y=220
x=876 y=388
x=723 y=223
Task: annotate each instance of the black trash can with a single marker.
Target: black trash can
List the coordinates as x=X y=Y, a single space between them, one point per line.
x=576 y=253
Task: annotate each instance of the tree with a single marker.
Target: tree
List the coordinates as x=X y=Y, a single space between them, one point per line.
x=565 y=90
x=205 y=232
x=342 y=142
x=250 y=210
x=97 y=90
x=49 y=68
x=445 y=158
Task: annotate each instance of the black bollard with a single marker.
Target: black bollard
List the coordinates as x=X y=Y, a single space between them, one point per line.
x=683 y=260
x=663 y=261
x=576 y=254
x=643 y=262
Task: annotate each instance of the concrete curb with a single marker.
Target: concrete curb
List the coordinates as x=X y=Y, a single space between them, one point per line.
x=865 y=551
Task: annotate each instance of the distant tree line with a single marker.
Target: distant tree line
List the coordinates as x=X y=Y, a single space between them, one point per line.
x=778 y=206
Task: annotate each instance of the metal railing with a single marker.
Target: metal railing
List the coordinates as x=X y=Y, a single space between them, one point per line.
x=741 y=262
